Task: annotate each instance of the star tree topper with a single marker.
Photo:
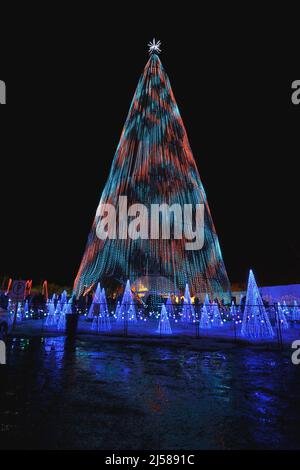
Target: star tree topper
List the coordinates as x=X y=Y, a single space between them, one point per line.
x=154 y=46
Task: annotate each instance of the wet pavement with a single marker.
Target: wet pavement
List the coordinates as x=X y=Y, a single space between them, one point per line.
x=95 y=394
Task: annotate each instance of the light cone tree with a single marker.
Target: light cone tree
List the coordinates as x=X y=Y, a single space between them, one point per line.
x=169 y=307
x=256 y=323
x=127 y=305
x=164 y=327
x=51 y=317
x=205 y=322
x=216 y=319
x=94 y=308
x=118 y=313
x=188 y=311
x=282 y=317
x=154 y=164
x=103 y=317
x=63 y=298
x=66 y=310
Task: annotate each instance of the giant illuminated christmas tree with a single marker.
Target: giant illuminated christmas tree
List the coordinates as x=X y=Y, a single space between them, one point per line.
x=154 y=164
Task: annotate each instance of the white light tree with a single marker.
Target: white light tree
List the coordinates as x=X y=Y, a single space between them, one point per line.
x=205 y=322
x=66 y=310
x=127 y=304
x=51 y=317
x=118 y=313
x=282 y=317
x=94 y=308
x=256 y=323
x=103 y=317
x=188 y=311
x=164 y=327
x=216 y=319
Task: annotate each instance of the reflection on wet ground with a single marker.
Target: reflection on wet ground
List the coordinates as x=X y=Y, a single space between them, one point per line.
x=93 y=394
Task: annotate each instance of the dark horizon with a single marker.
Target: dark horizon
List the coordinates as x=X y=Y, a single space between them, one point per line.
x=242 y=126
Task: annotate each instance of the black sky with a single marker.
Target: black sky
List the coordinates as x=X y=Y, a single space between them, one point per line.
x=69 y=90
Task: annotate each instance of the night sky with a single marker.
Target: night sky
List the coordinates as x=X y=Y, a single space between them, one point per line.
x=69 y=93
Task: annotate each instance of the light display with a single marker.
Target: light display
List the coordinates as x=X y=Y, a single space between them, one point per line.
x=63 y=298
x=188 y=311
x=51 y=317
x=207 y=304
x=256 y=323
x=154 y=164
x=118 y=313
x=99 y=311
x=164 y=327
x=66 y=310
x=216 y=319
x=58 y=308
x=103 y=317
x=205 y=322
x=169 y=307
x=282 y=317
x=295 y=312
x=233 y=310
x=94 y=308
x=127 y=309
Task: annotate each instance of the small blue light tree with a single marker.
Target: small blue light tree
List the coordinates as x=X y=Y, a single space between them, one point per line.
x=118 y=313
x=94 y=308
x=63 y=298
x=103 y=317
x=282 y=317
x=205 y=322
x=169 y=307
x=127 y=305
x=51 y=317
x=216 y=319
x=164 y=327
x=66 y=310
x=188 y=311
x=256 y=323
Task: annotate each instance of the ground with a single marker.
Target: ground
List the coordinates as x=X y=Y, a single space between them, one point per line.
x=117 y=393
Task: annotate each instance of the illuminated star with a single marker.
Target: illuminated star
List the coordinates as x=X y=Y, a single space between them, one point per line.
x=154 y=46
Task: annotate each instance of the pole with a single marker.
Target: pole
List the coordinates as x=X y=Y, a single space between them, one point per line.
x=15 y=316
x=279 y=331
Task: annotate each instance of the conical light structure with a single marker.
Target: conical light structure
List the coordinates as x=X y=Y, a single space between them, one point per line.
x=205 y=322
x=216 y=318
x=164 y=327
x=169 y=307
x=256 y=323
x=94 y=308
x=154 y=164
x=282 y=318
x=188 y=311
x=127 y=309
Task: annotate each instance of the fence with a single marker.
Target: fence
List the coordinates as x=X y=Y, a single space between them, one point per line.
x=198 y=321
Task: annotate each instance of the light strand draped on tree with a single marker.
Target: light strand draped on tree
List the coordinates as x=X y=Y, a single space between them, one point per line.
x=154 y=164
